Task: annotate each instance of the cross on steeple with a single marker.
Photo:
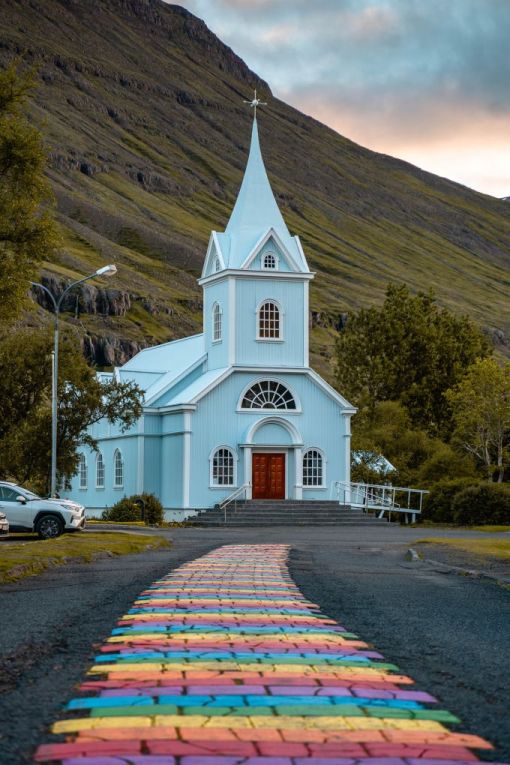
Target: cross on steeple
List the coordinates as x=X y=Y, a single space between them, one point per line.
x=254 y=103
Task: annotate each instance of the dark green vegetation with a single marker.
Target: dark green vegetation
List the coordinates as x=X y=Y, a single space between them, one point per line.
x=433 y=402
x=148 y=136
x=28 y=234
x=411 y=351
x=25 y=408
x=138 y=507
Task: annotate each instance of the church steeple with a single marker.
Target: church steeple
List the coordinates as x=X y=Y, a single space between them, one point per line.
x=255 y=210
x=255 y=218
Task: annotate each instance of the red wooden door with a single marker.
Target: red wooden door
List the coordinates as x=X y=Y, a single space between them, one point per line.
x=268 y=479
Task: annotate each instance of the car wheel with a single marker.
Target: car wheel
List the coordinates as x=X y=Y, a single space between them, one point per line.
x=49 y=526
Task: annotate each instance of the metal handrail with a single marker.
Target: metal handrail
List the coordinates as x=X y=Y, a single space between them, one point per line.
x=379 y=497
x=233 y=498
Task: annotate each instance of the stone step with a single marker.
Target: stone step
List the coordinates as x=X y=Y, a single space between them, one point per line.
x=311 y=522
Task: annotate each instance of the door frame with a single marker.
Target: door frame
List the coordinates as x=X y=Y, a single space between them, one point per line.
x=271 y=450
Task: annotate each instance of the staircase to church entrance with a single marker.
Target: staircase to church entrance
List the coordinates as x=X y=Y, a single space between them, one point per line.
x=288 y=512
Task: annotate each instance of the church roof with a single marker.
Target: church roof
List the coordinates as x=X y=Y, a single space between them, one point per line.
x=256 y=213
x=167 y=357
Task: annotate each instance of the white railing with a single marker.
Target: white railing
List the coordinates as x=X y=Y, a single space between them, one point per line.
x=234 y=497
x=381 y=498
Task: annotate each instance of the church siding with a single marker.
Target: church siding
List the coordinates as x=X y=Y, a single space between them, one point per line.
x=217 y=351
x=287 y=352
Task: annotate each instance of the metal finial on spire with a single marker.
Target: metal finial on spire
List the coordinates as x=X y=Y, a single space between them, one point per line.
x=254 y=103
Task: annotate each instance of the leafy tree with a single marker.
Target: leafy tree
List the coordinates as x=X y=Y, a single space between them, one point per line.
x=409 y=350
x=480 y=404
x=28 y=233
x=420 y=459
x=25 y=406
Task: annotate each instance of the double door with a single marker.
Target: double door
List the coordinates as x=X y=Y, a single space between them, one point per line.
x=268 y=475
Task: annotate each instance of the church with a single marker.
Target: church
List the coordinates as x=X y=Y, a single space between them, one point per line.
x=236 y=408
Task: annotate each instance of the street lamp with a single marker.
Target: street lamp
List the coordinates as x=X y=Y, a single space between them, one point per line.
x=109 y=270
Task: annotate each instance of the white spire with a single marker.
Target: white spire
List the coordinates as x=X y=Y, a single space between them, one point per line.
x=255 y=210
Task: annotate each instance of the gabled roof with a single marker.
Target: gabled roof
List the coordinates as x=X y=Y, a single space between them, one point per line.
x=255 y=214
x=167 y=357
x=158 y=368
x=200 y=387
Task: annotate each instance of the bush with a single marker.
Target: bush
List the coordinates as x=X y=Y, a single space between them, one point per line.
x=124 y=511
x=153 y=508
x=438 y=505
x=129 y=509
x=486 y=503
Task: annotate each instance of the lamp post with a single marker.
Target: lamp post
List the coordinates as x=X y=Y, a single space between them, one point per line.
x=104 y=271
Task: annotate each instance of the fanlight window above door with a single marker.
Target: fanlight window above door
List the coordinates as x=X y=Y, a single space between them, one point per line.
x=268 y=394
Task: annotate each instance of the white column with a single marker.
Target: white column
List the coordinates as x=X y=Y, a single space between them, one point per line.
x=347 y=457
x=232 y=332
x=298 y=464
x=306 y=327
x=141 y=448
x=186 y=458
x=247 y=470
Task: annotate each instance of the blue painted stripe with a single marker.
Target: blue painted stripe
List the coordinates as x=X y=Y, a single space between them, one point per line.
x=238 y=701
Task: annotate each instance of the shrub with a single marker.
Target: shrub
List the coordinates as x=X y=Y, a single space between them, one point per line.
x=130 y=509
x=482 y=504
x=123 y=511
x=153 y=508
x=438 y=505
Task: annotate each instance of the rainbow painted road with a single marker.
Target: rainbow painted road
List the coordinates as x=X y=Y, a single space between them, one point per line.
x=224 y=662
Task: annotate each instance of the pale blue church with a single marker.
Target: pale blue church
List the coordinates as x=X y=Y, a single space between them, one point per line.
x=237 y=407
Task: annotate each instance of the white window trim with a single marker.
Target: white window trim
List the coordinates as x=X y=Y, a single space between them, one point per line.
x=276 y=261
x=216 y=265
x=285 y=412
x=216 y=305
x=83 y=461
x=324 y=484
x=100 y=485
x=223 y=486
x=115 y=484
x=260 y=339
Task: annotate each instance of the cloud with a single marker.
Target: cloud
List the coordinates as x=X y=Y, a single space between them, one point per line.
x=396 y=75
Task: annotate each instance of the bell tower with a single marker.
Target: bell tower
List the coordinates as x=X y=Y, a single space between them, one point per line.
x=255 y=280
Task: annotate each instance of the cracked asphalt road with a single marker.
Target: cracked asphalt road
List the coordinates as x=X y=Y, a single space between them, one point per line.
x=450 y=633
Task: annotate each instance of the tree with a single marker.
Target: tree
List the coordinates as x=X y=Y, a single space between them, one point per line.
x=25 y=407
x=409 y=350
x=481 y=413
x=420 y=459
x=28 y=233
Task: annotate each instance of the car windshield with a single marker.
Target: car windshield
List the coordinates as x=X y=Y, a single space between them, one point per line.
x=28 y=494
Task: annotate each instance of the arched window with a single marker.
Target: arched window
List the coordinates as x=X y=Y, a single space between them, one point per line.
x=217 y=321
x=269 y=260
x=269 y=321
x=118 y=469
x=313 y=468
x=99 y=471
x=217 y=265
x=82 y=471
x=268 y=394
x=223 y=468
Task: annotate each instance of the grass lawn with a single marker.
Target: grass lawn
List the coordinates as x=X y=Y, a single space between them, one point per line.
x=21 y=559
x=484 y=548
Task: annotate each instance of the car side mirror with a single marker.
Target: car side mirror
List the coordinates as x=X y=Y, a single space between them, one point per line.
x=21 y=499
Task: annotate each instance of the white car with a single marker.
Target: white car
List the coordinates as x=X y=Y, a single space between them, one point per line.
x=4 y=524
x=26 y=511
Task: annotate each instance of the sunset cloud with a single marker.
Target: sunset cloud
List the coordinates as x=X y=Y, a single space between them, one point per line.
x=425 y=81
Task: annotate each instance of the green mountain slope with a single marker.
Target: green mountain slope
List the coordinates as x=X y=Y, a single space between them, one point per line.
x=148 y=135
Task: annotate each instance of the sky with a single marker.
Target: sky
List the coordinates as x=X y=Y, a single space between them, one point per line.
x=424 y=80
